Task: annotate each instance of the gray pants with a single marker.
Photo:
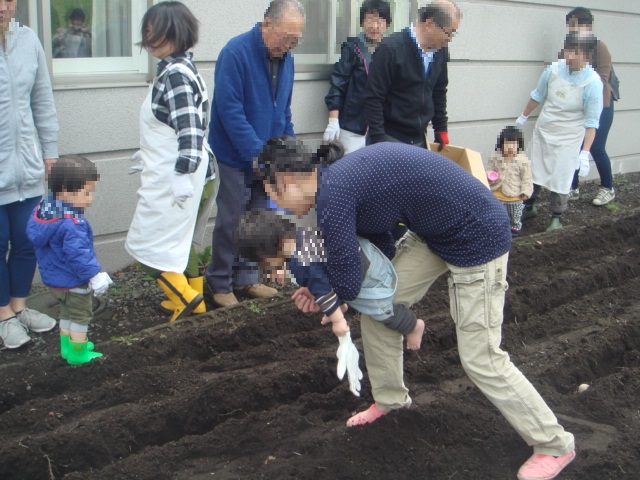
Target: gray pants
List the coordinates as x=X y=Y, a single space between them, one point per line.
x=559 y=201
x=239 y=191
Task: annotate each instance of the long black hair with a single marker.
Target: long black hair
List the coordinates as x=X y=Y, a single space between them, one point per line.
x=287 y=154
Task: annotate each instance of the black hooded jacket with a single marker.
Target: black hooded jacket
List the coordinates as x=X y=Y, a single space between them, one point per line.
x=348 y=80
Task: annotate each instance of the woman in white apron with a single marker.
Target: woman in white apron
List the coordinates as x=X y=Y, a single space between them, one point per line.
x=173 y=158
x=572 y=94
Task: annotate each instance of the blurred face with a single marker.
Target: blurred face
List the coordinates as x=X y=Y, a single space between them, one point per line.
x=432 y=36
x=509 y=149
x=82 y=198
x=576 y=59
x=574 y=26
x=295 y=192
x=161 y=49
x=283 y=34
x=7 y=13
x=374 y=27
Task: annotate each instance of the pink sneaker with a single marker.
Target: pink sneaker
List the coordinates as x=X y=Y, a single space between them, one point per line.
x=544 y=467
x=371 y=414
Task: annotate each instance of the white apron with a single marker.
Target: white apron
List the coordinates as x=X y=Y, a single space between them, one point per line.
x=160 y=234
x=558 y=134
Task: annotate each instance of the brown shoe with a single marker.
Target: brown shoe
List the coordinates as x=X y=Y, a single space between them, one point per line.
x=225 y=299
x=257 y=290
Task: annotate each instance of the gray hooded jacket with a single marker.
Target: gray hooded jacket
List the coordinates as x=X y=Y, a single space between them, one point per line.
x=28 y=123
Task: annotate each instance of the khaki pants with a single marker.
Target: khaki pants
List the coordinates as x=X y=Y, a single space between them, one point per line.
x=477 y=300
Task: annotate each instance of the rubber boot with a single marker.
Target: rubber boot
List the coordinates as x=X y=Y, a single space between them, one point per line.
x=79 y=353
x=529 y=213
x=197 y=283
x=185 y=298
x=64 y=346
x=554 y=224
x=167 y=306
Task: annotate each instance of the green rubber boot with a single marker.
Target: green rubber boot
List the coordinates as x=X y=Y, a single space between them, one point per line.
x=529 y=213
x=79 y=353
x=64 y=346
x=554 y=224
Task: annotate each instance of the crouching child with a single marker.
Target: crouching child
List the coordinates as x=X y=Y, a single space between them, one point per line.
x=267 y=237
x=63 y=242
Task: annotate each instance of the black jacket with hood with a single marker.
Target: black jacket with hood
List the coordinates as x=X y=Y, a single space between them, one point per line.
x=348 y=80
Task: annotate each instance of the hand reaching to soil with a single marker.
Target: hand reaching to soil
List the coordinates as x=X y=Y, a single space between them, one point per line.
x=305 y=301
x=338 y=323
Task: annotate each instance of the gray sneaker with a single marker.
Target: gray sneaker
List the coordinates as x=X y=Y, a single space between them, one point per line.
x=604 y=196
x=36 y=321
x=574 y=194
x=13 y=333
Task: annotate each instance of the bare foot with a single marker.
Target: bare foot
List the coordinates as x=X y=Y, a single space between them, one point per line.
x=414 y=339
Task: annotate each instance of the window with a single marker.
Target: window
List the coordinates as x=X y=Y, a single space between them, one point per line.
x=89 y=41
x=329 y=22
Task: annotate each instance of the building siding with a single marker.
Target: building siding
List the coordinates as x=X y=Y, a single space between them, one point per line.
x=497 y=57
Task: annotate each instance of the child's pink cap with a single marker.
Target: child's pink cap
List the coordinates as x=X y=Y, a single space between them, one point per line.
x=492 y=176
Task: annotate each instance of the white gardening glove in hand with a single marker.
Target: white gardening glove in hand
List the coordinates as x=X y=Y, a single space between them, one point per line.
x=100 y=283
x=584 y=167
x=136 y=163
x=521 y=120
x=182 y=189
x=348 y=358
x=332 y=132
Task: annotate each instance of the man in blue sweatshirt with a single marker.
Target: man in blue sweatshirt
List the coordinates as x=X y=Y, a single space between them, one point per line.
x=251 y=103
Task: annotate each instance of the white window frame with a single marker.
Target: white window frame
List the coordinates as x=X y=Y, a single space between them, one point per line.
x=93 y=72
x=401 y=12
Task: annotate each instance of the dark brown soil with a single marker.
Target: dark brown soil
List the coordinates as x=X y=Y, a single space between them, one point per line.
x=251 y=392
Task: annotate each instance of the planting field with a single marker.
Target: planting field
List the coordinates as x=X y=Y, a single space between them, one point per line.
x=251 y=392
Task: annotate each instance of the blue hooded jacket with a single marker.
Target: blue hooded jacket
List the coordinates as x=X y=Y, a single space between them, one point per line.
x=63 y=241
x=245 y=111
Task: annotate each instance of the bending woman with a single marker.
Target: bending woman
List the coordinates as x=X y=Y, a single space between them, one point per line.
x=457 y=226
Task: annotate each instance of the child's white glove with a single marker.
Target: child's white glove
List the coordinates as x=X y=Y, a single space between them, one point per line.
x=584 y=167
x=182 y=189
x=348 y=358
x=332 y=132
x=521 y=120
x=100 y=283
x=136 y=163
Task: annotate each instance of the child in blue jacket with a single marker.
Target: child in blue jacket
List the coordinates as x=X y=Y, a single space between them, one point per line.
x=63 y=241
x=267 y=237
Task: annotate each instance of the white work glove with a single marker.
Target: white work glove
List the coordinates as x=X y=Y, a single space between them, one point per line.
x=348 y=358
x=136 y=163
x=182 y=189
x=521 y=120
x=332 y=132
x=100 y=283
x=584 y=167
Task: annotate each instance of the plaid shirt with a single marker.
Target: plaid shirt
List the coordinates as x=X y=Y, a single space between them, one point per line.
x=176 y=101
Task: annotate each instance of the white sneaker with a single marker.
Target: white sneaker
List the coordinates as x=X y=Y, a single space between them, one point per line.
x=36 y=321
x=13 y=333
x=574 y=194
x=604 y=196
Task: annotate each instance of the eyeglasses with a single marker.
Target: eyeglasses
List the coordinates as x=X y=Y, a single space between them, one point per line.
x=450 y=34
x=290 y=39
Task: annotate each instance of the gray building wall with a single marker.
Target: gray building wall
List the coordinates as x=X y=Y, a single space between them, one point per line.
x=497 y=57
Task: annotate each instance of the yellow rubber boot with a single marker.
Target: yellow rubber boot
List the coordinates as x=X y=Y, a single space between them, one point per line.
x=167 y=306
x=177 y=288
x=197 y=283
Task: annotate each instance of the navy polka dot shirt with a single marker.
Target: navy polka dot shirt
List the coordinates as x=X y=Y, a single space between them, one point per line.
x=372 y=189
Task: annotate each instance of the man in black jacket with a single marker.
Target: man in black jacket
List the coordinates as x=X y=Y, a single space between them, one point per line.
x=347 y=122
x=407 y=85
